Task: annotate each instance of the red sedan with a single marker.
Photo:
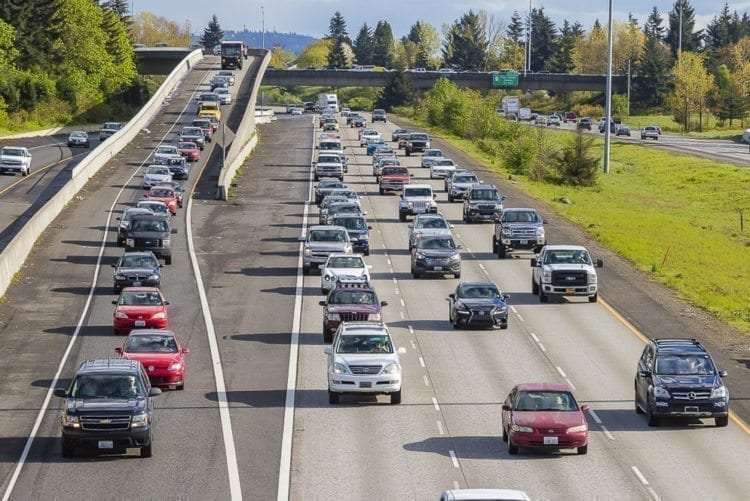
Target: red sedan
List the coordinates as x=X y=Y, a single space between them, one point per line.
x=164 y=194
x=189 y=150
x=544 y=415
x=138 y=308
x=159 y=353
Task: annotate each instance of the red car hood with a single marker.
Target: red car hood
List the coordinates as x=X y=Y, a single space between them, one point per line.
x=144 y=311
x=548 y=419
x=154 y=359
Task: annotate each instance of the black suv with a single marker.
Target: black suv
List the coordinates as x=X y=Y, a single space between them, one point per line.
x=108 y=408
x=150 y=233
x=678 y=378
x=483 y=202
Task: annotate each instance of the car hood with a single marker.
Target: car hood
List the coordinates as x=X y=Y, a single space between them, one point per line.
x=325 y=246
x=438 y=252
x=160 y=360
x=548 y=419
x=382 y=359
x=119 y=405
x=157 y=176
x=431 y=231
x=522 y=225
x=140 y=271
x=477 y=302
x=570 y=267
x=143 y=311
x=346 y=272
x=687 y=382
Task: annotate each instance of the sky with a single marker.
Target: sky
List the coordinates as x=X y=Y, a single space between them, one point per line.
x=311 y=17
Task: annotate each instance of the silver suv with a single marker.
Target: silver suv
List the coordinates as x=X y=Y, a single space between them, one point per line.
x=416 y=199
x=483 y=202
x=320 y=242
x=362 y=359
x=564 y=270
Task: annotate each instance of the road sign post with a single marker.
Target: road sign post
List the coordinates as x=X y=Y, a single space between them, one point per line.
x=505 y=79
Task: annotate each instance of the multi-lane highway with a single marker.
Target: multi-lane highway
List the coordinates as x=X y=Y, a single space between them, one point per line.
x=251 y=320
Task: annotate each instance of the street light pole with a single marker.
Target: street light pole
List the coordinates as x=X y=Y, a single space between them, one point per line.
x=608 y=123
x=679 y=31
x=528 y=43
x=263 y=28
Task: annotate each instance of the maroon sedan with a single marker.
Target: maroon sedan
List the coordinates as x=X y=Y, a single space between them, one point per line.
x=160 y=353
x=545 y=416
x=189 y=150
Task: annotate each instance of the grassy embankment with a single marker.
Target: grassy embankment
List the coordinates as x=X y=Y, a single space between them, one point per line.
x=676 y=217
x=712 y=129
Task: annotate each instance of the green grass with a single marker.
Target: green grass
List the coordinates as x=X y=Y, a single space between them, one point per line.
x=712 y=129
x=675 y=217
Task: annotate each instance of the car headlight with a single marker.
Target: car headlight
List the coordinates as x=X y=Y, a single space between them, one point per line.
x=130 y=242
x=119 y=276
x=546 y=276
x=507 y=231
x=159 y=315
x=410 y=205
x=166 y=244
x=334 y=316
x=720 y=392
x=340 y=369
x=391 y=369
x=521 y=429
x=462 y=307
x=175 y=366
x=377 y=317
x=419 y=255
x=154 y=276
x=472 y=205
x=660 y=392
x=578 y=429
x=307 y=251
x=121 y=314
x=70 y=421
x=501 y=309
x=540 y=232
x=456 y=257
x=592 y=278
x=139 y=421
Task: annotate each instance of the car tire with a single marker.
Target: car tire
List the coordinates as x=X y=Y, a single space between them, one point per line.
x=333 y=397
x=415 y=274
x=68 y=450
x=115 y=290
x=327 y=336
x=457 y=275
x=402 y=217
x=504 y=326
x=534 y=287
x=494 y=244
x=168 y=260
x=594 y=298
x=543 y=298
x=382 y=192
x=450 y=199
x=396 y=397
x=638 y=409
x=367 y=252
x=512 y=449
x=505 y=435
x=583 y=450
x=147 y=451
x=305 y=270
x=180 y=387
x=26 y=172
x=721 y=422
x=501 y=251
x=408 y=152
x=650 y=418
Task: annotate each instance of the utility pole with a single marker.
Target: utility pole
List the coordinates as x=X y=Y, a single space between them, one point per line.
x=608 y=124
x=628 y=87
x=528 y=43
x=262 y=28
x=679 y=31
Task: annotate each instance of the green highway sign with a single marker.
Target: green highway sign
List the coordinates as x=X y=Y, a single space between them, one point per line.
x=505 y=79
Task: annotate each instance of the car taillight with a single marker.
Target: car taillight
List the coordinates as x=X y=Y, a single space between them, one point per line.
x=121 y=314
x=159 y=315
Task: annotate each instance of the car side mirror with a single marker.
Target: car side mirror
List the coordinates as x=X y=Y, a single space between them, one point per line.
x=154 y=392
x=459 y=246
x=506 y=296
x=599 y=263
x=317 y=147
x=301 y=239
x=314 y=163
x=174 y=231
x=60 y=392
x=118 y=350
x=452 y=295
x=533 y=262
x=369 y=227
x=434 y=195
x=544 y=221
x=481 y=182
x=327 y=350
x=401 y=196
x=322 y=303
x=450 y=226
x=114 y=301
x=410 y=225
x=507 y=407
x=585 y=407
x=114 y=265
x=364 y=213
x=185 y=350
x=723 y=373
x=644 y=373
x=166 y=303
x=119 y=219
x=401 y=351
x=383 y=303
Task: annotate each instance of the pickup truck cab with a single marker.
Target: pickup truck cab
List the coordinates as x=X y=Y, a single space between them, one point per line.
x=210 y=109
x=109 y=129
x=564 y=270
x=15 y=159
x=393 y=178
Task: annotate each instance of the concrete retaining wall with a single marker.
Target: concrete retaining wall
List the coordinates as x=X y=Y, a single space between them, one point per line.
x=15 y=254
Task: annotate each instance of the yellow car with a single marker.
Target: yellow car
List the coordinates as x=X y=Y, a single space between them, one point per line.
x=210 y=109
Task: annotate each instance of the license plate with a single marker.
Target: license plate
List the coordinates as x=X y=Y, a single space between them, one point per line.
x=486 y=216
x=365 y=384
x=418 y=211
x=140 y=323
x=570 y=291
x=691 y=409
x=106 y=444
x=438 y=268
x=550 y=440
x=136 y=284
x=524 y=242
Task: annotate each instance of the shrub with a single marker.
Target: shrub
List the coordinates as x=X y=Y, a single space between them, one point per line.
x=576 y=165
x=519 y=155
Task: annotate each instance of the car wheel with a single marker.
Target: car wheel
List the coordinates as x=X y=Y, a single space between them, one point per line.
x=146 y=451
x=414 y=273
x=457 y=275
x=494 y=244
x=466 y=219
x=722 y=421
x=450 y=199
x=168 y=260
x=512 y=449
x=504 y=325
x=543 y=298
x=116 y=290
x=650 y=418
x=327 y=336
x=381 y=191
x=501 y=251
x=505 y=435
x=115 y=332
x=583 y=450
x=594 y=298
x=367 y=252
x=68 y=449
x=26 y=172
x=305 y=270
x=534 y=287
x=333 y=397
x=180 y=387
x=408 y=152
x=323 y=291
x=396 y=397
x=402 y=217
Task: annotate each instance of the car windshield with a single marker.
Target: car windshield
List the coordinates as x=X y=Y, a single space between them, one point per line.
x=151 y=343
x=479 y=292
x=161 y=193
x=443 y=162
x=187 y=146
x=351 y=223
x=155 y=225
x=327 y=236
x=561 y=401
x=333 y=199
x=78 y=134
x=345 y=262
x=465 y=179
x=348 y=208
x=328 y=145
x=129 y=214
x=138 y=261
x=167 y=149
x=417 y=192
x=155 y=206
x=332 y=183
x=431 y=222
x=13 y=152
x=567 y=257
x=369 y=343
x=684 y=365
x=433 y=153
x=484 y=195
x=437 y=243
x=329 y=159
x=352 y=296
x=520 y=217
x=111 y=386
x=129 y=298
x=418 y=137
x=395 y=171
x=176 y=161
x=162 y=171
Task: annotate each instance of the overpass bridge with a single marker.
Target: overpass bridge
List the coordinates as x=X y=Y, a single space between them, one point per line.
x=161 y=61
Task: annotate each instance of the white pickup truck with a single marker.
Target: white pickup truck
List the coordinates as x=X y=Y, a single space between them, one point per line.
x=564 y=270
x=15 y=159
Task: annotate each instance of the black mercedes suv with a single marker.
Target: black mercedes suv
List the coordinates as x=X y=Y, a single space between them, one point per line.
x=108 y=408
x=678 y=378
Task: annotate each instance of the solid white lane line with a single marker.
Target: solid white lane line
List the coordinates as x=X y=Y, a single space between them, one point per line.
x=595 y=416
x=481 y=266
x=389 y=262
x=441 y=431
x=435 y=404
x=411 y=330
x=639 y=475
x=421 y=362
x=426 y=380
x=570 y=383
x=413 y=344
x=541 y=346
x=285 y=462
x=533 y=336
x=454 y=459
x=607 y=433
x=468 y=250
x=561 y=372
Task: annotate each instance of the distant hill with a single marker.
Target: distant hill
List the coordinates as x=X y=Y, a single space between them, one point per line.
x=288 y=41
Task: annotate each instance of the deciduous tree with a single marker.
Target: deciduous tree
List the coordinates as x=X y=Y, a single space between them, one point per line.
x=692 y=86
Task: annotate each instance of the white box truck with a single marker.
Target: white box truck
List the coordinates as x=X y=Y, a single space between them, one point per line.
x=328 y=101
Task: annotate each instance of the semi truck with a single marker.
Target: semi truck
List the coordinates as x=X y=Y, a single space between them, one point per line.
x=328 y=101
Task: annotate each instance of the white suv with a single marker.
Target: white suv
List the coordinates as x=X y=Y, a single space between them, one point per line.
x=344 y=267
x=362 y=359
x=416 y=199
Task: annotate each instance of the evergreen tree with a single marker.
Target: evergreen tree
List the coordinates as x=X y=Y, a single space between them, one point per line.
x=119 y=7
x=398 y=91
x=466 y=44
x=339 y=38
x=337 y=28
x=563 y=61
x=212 y=34
x=516 y=30
x=424 y=40
x=543 y=40
x=37 y=25
x=653 y=27
x=652 y=69
x=718 y=31
x=383 y=45
x=363 y=45
x=691 y=39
